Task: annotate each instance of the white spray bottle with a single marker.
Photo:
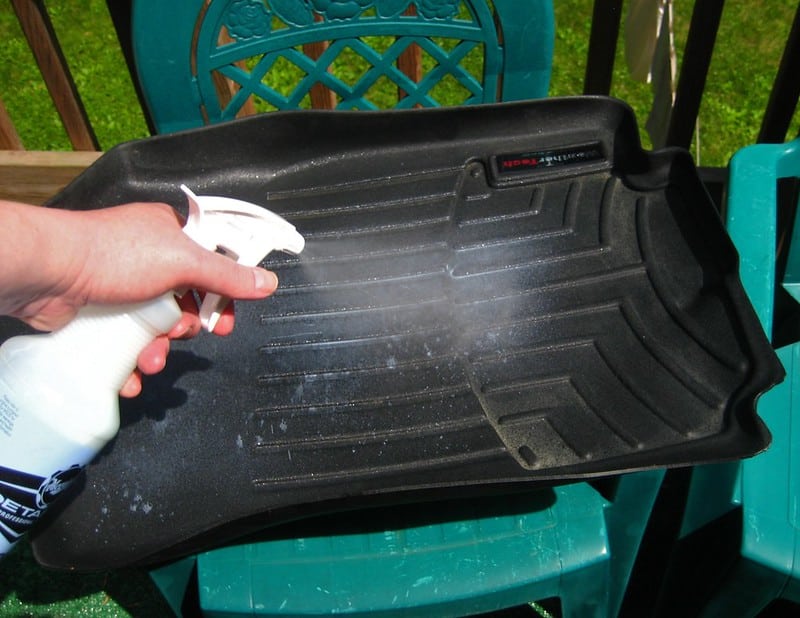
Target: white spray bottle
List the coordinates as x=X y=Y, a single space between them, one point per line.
x=59 y=401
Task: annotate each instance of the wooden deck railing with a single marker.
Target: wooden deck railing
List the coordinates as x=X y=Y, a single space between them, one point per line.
x=38 y=30
x=35 y=176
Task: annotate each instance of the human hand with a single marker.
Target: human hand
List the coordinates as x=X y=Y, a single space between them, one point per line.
x=56 y=261
x=153 y=358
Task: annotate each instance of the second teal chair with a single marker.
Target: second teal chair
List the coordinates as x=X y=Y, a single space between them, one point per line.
x=764 y=564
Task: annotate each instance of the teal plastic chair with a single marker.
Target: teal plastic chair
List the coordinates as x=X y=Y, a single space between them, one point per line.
x=202 y=62
x=767 y=487
x=205 y=62
x=573 y=544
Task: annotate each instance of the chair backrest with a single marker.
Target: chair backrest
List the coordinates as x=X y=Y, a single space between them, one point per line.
x=771 y=524
x=752 y=222
x=764 y=487
x=206 y=61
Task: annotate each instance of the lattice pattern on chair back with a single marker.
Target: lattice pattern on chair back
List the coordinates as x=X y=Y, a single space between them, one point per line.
x=264 y=55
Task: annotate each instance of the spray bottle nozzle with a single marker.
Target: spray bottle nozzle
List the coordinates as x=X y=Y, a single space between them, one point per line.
x=239 y=230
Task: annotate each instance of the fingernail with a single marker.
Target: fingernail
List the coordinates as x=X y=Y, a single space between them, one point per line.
x=265 y=279
x=179 y=330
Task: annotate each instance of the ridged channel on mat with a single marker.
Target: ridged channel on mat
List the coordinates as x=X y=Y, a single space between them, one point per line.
x=456 y=322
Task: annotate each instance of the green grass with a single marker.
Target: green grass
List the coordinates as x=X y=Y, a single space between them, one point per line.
x=90 y=46
x=28 y=591
x=743 y=68
x=746 y=58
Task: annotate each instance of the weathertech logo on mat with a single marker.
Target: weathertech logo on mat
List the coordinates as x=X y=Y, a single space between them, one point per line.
x=527 y=162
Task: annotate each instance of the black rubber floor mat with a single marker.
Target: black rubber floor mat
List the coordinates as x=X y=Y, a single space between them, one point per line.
x=489 y=296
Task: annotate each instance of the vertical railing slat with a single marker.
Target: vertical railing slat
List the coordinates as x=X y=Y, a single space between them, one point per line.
x=38 y=30
x=606 y=17
x=9 y=138
x=694 y=71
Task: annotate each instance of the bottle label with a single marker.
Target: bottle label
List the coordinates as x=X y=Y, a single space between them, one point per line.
x=24 y=498
x=39 y=455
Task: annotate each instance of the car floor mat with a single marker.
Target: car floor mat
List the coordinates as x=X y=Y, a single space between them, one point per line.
x=490 y=297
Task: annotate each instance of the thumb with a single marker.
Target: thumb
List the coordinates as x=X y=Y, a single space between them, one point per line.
x=221 y=275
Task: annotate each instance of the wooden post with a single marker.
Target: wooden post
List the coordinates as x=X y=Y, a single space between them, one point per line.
x=322 y=97
x=38 y=30
x=226 y=88
x=410 y=61
x=9 y=138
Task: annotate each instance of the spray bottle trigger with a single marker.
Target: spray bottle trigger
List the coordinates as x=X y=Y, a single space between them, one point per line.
x=239 y=230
